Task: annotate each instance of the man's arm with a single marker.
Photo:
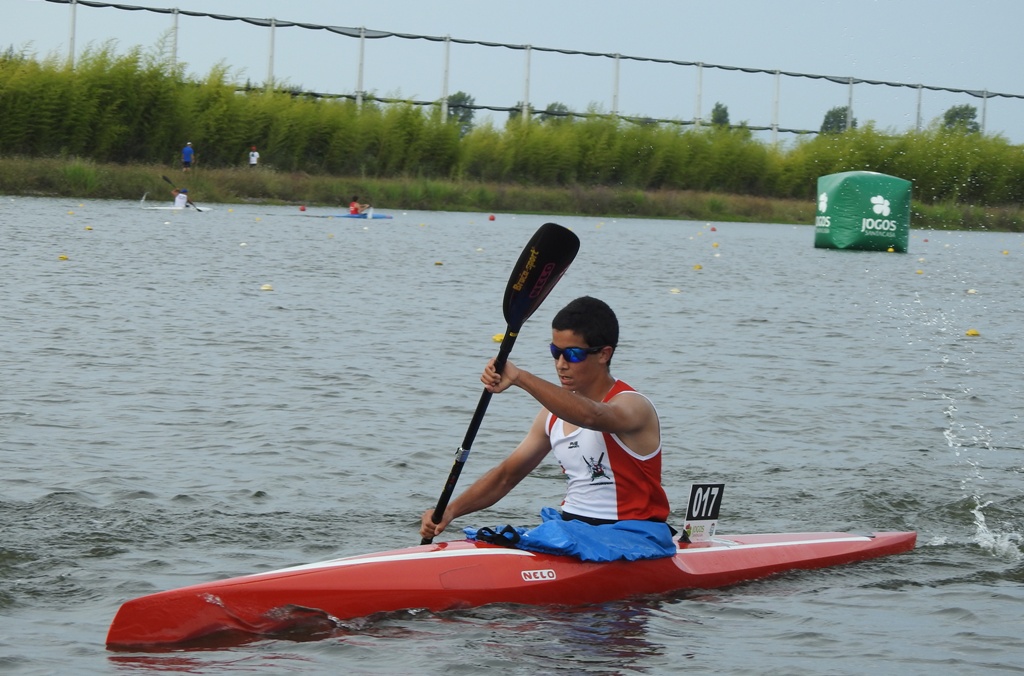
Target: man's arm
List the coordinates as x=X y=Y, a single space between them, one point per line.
x=497 y=482
x=631 y=417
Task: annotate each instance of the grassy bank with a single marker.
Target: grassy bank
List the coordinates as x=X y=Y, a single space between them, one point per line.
x=87 y=179
x=114 y=123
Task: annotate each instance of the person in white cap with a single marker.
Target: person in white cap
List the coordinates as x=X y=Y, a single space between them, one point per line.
x=188 y=156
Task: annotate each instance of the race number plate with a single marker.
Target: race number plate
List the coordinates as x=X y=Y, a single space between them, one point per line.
x=702 y=511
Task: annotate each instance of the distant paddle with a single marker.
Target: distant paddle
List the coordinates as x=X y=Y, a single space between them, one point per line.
x=543 y=262
x=193 y=204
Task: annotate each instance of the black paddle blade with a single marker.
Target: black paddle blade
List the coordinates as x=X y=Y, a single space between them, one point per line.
x=543 y=262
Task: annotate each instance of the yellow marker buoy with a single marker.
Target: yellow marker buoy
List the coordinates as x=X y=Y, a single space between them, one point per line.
x=698 y=266
x=972 y=332
x=266 y=287
x=62 y=257
x=890 y=250
x=438 y=263
x=498 y=337
x=714 y=245
x=71 y=213
x=88 y=227
x=920 y=272
x=674 y=291
x=1006 y=253
x=971 y=292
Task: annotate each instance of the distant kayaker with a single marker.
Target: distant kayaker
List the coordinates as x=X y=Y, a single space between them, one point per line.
x=605 y=435
x=254 y=157
x=181 y=198
x=355 y=207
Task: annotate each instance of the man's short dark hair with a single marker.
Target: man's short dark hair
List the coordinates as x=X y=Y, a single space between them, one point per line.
x=591 y=318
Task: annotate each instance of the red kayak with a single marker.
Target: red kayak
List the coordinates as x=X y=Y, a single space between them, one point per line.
x=463 y=574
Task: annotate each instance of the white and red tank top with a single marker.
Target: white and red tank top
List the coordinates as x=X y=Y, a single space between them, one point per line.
x=605 y=479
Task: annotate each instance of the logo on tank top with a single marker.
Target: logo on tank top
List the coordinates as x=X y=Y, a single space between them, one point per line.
x=597 y=469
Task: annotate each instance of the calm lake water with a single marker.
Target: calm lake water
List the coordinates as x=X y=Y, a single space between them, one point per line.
x=164 y=421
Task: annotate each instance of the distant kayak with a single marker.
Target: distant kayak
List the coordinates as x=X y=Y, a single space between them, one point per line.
x=367 y=215
x=142 y=203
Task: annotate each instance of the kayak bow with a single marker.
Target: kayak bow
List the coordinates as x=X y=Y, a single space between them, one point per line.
x=464 y=574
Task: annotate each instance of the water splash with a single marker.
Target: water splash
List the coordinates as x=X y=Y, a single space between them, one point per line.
x=1004 y=545
x=1001 y=544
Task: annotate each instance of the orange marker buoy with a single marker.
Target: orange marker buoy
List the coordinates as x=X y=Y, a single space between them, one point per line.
x=302 y=208
x=491 y=217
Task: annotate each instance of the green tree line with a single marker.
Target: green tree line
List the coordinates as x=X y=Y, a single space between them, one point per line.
x=136 y=108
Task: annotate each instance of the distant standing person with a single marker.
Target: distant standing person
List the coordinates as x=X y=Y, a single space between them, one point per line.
x=355 y=207
x=188 y=156
x=254 y=157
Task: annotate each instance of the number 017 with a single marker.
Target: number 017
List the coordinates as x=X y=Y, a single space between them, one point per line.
x=705 y=501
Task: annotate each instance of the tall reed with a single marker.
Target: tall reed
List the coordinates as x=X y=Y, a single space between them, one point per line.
x=138 y=108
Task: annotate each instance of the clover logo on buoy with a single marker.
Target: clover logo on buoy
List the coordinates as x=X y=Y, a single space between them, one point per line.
x=823 y=202
x=880 y=205
x=879 y=226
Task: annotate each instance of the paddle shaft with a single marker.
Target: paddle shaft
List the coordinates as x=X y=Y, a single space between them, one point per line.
x=541 y=264
x=462 y=454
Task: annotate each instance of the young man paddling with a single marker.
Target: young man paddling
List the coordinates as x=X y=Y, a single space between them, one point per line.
x=604 y=434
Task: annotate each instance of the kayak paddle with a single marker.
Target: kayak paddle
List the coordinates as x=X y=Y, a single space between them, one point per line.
x=543 y=262
x=189 y=202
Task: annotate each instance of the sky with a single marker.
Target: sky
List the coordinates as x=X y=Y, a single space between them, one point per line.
x=959 y=44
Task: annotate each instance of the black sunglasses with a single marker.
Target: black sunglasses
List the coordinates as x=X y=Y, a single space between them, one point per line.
x=574 y=355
